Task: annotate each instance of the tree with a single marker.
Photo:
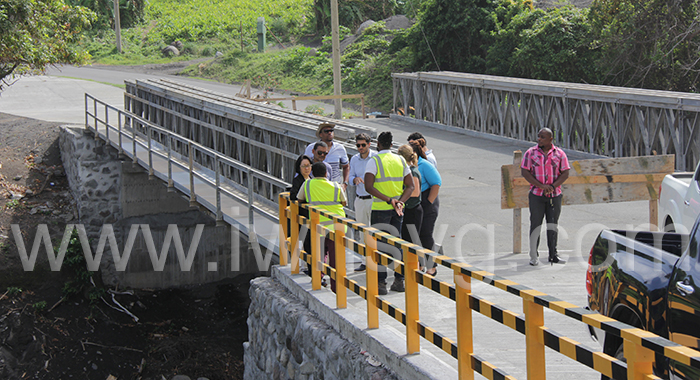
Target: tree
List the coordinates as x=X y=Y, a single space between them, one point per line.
x=648 y=43
x=556 y=46
x=453 y=35
x=37 y=33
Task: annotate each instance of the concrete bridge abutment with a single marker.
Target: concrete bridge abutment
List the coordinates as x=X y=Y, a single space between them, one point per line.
x=113 y=193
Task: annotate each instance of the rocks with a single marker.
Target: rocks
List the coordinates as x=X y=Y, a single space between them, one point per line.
x=288 y=341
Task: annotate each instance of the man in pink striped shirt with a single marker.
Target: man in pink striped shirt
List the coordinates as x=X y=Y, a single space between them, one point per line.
x=546 y=167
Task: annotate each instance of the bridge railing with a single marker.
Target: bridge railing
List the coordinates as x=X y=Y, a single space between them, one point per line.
x=144 y=143
x=605 y=120
x=639 y=345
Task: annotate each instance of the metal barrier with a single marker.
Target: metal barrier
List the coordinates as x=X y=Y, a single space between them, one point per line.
x=143 y=142
x=639 y=345
x=605 y=120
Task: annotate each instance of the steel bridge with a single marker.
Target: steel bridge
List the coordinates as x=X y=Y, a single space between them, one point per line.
x=605 y=120
x=233 y=157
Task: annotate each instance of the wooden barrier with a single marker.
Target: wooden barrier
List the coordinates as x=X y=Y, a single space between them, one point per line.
x=592 y=181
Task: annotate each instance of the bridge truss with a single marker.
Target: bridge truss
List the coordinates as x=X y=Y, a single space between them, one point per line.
x=610 y=121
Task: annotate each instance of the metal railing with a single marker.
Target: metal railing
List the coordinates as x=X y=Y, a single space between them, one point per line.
x=144 y=143
x=639 y=345
x=605 y=120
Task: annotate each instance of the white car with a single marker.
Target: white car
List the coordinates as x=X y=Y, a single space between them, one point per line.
x=679 y=201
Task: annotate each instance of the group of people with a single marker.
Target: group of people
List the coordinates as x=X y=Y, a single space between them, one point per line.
x=399 y=193
x=396 y=193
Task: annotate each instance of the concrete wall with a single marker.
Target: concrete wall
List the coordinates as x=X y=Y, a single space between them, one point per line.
x=288 y=341
x=298 y=333
x=110 y=191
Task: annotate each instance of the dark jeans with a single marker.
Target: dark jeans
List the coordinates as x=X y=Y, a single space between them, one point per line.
x=412 y=222
x=389 y=222
x=430 y=214
x=548 y=208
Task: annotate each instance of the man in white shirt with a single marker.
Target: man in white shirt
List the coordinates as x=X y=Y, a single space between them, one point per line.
x=337 y=156
x=363 y=200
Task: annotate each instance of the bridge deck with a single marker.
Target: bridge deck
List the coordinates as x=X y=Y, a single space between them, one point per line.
x=470 y=203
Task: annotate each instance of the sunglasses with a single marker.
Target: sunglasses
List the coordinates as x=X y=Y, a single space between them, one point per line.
x=305 y=166
x=327 y=131
x=360 y=145
x=321 y=153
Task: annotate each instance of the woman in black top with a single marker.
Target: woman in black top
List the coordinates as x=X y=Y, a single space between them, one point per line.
x=302 y=172
x=413 y=213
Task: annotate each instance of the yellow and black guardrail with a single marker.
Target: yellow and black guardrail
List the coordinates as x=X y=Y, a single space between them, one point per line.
x=640 y=346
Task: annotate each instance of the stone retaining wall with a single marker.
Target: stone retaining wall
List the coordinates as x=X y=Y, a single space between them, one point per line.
x=288 y=341
x=112 y=191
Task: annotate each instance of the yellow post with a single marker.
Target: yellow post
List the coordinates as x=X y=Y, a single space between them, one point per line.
x=341 y=293
x=639 y=360
x=283 y=230
x=410 y=267
x=517 y=213
x=315 y=250
x=534 y=339
x=465 y=343
x=372 y=281
x=294 y=235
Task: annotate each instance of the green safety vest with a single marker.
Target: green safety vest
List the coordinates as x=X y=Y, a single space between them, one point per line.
x=326 y=194
x=389 y=178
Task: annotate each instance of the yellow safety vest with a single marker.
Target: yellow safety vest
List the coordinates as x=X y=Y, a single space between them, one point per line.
x=326 y=194
x=389 y=178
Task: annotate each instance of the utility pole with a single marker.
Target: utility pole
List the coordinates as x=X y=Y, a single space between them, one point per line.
x=117 y=26
x=335 y=38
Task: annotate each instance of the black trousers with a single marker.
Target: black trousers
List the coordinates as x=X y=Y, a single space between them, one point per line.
x=548 y=208
x=430 y=214
x=390 y=222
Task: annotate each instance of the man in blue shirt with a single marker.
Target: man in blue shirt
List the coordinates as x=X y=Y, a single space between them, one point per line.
x=363 y=201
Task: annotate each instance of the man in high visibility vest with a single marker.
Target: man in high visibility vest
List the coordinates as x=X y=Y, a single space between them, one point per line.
x=330 y=196
x=388 y=179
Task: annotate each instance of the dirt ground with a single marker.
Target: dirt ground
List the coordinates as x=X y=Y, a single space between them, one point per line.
x=44 y=334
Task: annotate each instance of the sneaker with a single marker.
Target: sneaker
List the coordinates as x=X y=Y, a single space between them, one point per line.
x=556 y=260
x=398 y=286
x=534 y=262
x=382 y=289
x=361 y=268
x=325 y=281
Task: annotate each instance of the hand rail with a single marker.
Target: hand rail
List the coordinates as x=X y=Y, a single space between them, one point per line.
x=196 y=156
x=640 y=345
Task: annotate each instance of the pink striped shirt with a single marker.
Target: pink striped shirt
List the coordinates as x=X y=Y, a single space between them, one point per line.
x=546 y=168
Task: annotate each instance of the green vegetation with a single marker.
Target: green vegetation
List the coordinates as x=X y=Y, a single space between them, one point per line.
x=37 y=33
x=13 y=291
x=652 y=44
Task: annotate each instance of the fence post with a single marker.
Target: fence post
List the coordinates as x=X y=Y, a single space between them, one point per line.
x=283 y=230
x=654 y=214
x=465 y=343
x=193 y=196
x=341 y=293
x=410 y=267
x=315 y=249
x=135 y=159
x=639 y=359
x=151 y=175
x=534 y=321
x=517 y=213
x=171 y=183
x=372 y=280
x=294 y=235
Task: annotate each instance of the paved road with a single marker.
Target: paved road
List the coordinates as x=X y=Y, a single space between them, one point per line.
x=471 y=226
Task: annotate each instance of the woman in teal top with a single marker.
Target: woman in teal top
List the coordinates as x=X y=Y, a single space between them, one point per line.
x=430 y=188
